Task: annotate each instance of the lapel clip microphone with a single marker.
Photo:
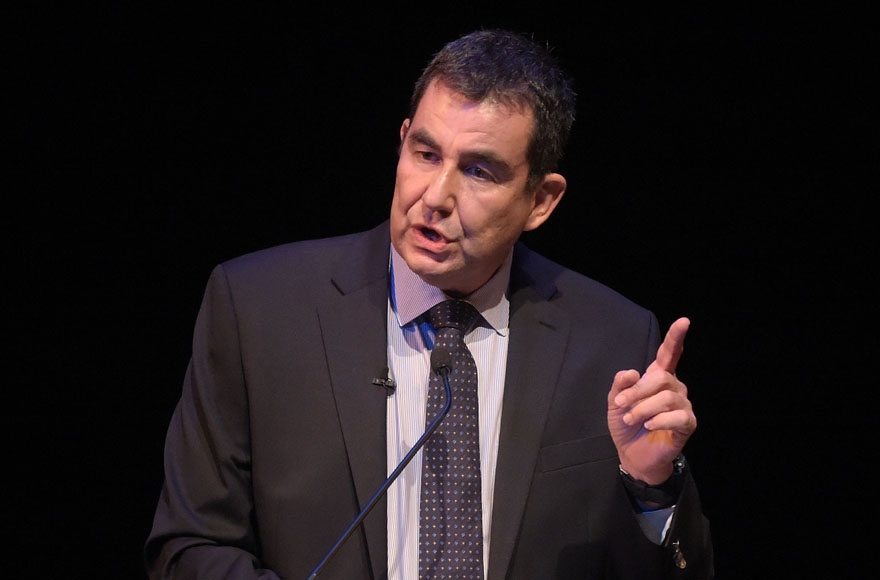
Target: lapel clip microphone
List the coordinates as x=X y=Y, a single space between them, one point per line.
x=385 y=381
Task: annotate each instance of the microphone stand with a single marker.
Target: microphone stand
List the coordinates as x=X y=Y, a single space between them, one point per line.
x=442 y=366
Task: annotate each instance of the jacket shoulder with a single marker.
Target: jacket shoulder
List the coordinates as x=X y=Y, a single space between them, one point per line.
x=566 y=287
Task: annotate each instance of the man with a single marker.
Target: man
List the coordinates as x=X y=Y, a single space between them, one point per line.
x=285 y=429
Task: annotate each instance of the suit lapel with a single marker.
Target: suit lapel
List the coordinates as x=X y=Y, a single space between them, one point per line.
x=353 y=325
x=538 y=334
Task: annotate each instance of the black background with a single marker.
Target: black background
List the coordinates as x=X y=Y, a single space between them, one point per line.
x=718 y=169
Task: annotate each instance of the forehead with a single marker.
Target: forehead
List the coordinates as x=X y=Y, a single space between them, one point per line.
x=451 y=118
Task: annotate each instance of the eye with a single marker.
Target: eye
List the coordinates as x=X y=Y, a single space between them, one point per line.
x=481 y=173
x=426 y=155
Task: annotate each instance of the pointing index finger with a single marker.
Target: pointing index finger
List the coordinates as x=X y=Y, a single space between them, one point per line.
x=673 y=345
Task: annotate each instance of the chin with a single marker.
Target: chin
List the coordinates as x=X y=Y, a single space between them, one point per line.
x=428 y=270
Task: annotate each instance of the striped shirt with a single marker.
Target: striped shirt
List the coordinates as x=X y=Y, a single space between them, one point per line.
x=409 y=342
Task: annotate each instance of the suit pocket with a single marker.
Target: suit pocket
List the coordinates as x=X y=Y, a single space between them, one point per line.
x=577 y=452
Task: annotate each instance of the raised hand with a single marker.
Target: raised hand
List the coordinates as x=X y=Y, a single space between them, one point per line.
x=650 y=416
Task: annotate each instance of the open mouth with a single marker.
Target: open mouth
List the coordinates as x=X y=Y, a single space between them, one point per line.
x=431 y=235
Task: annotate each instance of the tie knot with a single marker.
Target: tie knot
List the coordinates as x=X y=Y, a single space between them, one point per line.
x=456 y=314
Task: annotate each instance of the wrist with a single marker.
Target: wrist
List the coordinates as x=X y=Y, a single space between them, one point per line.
x=665 y=494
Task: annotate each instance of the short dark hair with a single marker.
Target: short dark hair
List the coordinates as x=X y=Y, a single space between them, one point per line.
x=512 y=69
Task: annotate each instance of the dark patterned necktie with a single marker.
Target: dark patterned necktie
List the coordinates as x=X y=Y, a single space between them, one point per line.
x=451 y=513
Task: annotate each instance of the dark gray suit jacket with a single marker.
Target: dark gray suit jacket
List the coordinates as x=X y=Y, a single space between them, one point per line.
x=279 y=437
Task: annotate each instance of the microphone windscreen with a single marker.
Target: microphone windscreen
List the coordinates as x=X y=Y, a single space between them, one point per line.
x=440 y=358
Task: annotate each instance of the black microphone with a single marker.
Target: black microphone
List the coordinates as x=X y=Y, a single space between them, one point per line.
x=385 y=381
x=441 y=363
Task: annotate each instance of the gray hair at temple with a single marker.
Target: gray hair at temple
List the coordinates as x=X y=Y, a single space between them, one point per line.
x=514 y=70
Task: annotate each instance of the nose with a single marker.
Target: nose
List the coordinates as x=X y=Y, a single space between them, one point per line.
x=440 y=194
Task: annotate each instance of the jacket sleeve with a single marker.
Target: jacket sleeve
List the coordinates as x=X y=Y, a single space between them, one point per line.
x=688 y=543
x=203 y=525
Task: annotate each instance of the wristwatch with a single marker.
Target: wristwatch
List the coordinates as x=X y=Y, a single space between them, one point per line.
x=663 y=494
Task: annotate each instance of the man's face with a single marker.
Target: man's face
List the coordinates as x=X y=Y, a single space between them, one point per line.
x=460 y=200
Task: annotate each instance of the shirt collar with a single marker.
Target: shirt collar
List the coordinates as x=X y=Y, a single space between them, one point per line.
x=411 y=296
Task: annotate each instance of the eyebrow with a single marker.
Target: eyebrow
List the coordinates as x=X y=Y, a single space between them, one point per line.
x=501 y=166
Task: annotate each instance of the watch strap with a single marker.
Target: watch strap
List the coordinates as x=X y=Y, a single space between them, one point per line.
x=661 y=495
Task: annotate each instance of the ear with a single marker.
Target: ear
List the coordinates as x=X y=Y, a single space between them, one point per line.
x=547 y=197
x=404 y=127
